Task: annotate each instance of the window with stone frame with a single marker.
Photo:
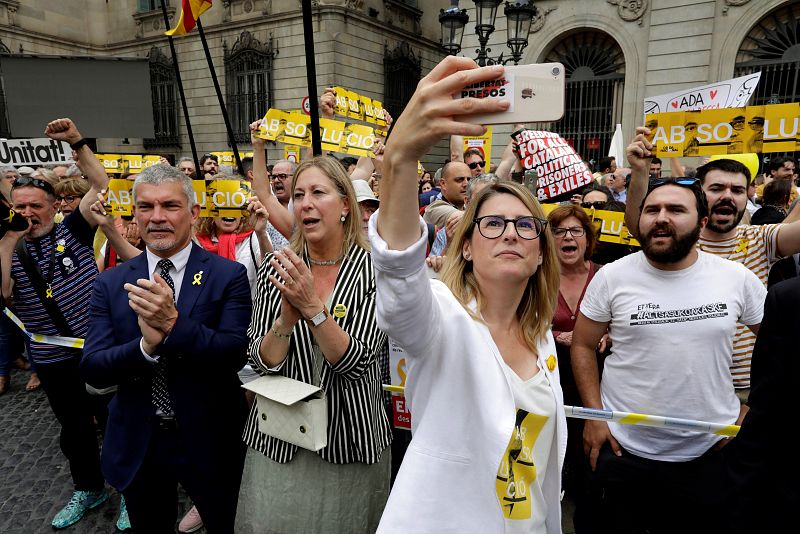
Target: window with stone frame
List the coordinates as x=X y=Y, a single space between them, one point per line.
x=595 y=71
x=402 y=70
x=773 y=47
x=248 y=82
x=150 y=5
x=164 y=94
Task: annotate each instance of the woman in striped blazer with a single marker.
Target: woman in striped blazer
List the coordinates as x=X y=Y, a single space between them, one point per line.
x=314 y=321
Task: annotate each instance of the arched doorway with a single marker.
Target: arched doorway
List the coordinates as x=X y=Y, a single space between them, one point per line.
x=773 y=47
x=595 y=68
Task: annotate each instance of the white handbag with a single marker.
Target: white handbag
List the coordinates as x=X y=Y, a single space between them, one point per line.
x=292 y=411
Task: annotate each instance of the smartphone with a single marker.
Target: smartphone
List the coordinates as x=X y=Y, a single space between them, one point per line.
x=536 y=93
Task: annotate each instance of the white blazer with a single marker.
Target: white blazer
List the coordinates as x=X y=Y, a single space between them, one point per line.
x=461 y=403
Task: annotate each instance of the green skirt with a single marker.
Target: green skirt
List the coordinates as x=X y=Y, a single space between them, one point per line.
x=311 y=496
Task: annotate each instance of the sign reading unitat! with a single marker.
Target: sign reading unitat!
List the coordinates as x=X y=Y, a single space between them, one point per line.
x=34 y=152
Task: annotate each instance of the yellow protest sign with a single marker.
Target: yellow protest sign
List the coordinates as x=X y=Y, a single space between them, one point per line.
x=758 y=129
x=227 y=157
x=135 y=163
x=291 y=153
x=119 y=196
x=359 y=140
x=482 y=143
x=112 y=163
x=217 y=198
x=336 y=136
x=610 y=225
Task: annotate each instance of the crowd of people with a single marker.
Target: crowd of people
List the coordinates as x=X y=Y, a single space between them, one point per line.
x=506 y=314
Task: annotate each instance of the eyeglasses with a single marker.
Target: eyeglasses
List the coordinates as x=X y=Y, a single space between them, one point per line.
x=575 y=231
x=493 y=226
x=475 y=164
x=597 y=204
x=69 y=199
x=281 y=176
x=35 y=182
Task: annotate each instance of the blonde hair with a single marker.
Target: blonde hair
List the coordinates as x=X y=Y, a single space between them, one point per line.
x=538 y=303
x=331 y=168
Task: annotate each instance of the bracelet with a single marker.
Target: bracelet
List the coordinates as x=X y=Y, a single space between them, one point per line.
x=79 y=143
x=279 y=335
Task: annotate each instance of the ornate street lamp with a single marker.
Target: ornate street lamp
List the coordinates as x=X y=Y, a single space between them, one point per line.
x=519 y=15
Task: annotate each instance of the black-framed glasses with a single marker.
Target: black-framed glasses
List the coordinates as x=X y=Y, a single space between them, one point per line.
x=69 y=199
x=493 y=226
x=574 y=231
x=281 y=176
x=597 y=204
x=35 y=182
x=475 y=164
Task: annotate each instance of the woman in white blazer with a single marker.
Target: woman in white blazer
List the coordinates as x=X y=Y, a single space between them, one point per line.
x=489 y=432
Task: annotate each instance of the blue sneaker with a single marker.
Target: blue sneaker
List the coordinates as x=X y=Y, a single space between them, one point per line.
x=123 y=522
x=77 y=506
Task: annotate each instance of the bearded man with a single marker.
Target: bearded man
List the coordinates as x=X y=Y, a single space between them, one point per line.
x=670 y=310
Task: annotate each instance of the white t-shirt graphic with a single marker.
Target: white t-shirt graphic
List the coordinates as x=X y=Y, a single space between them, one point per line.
x=672 y=335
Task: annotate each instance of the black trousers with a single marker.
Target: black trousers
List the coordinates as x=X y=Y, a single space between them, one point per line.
x=75 y=410
x=650 y=496
x=152 y=496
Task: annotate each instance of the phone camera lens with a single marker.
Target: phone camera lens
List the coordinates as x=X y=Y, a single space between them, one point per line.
x=556 y=71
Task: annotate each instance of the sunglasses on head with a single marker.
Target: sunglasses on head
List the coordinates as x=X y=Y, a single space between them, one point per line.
x=684 y=182
x=35 y=182
x=475 y=164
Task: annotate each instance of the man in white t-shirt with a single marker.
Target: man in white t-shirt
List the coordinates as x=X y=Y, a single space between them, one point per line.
x=671 y=311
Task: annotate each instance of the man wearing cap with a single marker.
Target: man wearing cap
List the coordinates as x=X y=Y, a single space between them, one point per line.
x=366 y=201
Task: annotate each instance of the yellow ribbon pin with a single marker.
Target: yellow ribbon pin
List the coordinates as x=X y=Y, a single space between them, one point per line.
x=198 y=278
x=340 y=310
x=49 y=292
x=10 y=215
x=60 y=248
x=551 y=363
x=743 y=245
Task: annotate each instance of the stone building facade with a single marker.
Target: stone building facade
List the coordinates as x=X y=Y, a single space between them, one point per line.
x=617 y=52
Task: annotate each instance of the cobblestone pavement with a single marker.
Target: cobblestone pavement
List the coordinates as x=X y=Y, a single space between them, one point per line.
x=34 y=476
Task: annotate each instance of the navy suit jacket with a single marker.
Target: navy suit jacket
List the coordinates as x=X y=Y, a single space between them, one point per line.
x=205 y=349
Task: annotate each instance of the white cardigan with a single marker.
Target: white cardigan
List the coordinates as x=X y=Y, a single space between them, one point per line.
x=462 y=407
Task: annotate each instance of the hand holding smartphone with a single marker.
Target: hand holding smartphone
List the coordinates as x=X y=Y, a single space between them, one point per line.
x=536 y=94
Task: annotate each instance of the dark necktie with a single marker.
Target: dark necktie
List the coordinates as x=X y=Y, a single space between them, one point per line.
x=160 y=391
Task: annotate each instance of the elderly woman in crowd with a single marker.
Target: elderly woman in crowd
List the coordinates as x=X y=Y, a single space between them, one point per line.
x=489 y=430
x=314 y=321
x=575 y=238
x=69 y=192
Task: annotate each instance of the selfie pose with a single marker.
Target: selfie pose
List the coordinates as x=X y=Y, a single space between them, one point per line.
x=489 y=432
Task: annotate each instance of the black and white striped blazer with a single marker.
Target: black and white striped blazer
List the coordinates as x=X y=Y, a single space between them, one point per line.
x=358 y=427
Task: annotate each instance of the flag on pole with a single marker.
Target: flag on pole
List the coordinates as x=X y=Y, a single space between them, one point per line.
x=190 y=12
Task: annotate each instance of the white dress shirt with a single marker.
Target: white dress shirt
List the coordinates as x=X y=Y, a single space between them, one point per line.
x=179 y=261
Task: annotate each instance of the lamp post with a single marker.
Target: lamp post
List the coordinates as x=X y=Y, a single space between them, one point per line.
x=519 y=15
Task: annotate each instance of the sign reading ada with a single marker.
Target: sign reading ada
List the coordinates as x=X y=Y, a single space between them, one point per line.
x=34 y=152
x=728 y=94
x=757 y=129
x=559 y=168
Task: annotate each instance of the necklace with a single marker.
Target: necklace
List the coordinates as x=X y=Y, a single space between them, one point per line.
x=326 y=262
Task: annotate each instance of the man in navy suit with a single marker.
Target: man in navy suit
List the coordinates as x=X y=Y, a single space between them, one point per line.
x=179 y=411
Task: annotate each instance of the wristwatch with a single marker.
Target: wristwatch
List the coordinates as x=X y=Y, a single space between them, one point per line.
x=319 y=318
